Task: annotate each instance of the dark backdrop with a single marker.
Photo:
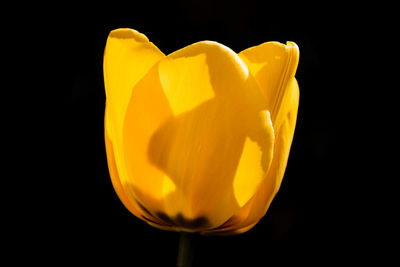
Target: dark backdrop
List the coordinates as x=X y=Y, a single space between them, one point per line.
x=314 y=219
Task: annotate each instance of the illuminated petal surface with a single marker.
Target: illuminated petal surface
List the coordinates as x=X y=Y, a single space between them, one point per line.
x=245 y=218
x=127 y=58
x=198 y=139
x=273 y=65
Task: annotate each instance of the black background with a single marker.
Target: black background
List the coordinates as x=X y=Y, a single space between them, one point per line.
x=318 y=215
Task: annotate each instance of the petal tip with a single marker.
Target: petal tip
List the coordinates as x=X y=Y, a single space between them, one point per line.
x=127 y=33
x=293 y=45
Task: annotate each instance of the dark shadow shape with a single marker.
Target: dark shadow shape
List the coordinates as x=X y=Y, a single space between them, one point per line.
x=180 y=220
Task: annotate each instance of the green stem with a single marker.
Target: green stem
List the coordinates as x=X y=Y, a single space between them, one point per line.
x=186 y=248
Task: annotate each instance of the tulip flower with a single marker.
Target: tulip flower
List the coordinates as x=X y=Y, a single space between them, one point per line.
x=198 y=140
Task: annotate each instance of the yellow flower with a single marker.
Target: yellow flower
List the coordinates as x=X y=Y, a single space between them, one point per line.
x=198 y=140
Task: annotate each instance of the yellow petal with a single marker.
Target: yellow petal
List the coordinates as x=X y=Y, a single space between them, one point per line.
x=128 y=201
x=197 y=136
x=273 y=65
x=256 y=208
x=128 y=56
x=112 y=168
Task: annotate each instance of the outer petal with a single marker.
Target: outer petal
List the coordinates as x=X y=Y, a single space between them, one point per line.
x=245 y=218
x=273 y=65
x=129 y=202
x=198 y=138
x=128 y=56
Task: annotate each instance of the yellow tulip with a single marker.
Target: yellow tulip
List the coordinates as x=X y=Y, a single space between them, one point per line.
x=198 y=140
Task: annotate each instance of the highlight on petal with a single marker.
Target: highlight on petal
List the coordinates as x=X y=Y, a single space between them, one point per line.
x=177 y=87
x=273 y=66
x=196 y=128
